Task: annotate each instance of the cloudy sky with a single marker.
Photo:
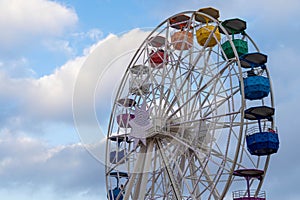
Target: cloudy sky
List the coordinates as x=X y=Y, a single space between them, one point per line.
x=46 y=144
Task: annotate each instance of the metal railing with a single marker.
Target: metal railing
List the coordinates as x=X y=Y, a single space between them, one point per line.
x=243 y=194
x=255 y=129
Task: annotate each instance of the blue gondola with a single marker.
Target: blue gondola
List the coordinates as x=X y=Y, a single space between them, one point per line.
x=113 y=194
x=261 y=142
x=118 y=191
x=256 y=86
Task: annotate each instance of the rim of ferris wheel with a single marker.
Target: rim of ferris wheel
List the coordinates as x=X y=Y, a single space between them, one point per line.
x=251 y=60
x=259 y=112
x=234 y=26
x=213 y=12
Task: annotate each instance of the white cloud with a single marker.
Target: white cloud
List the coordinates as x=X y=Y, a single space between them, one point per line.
x=60 y=46
x=49 y=98
x=93 y=34
x=23 y=21
x=17 y=68
x=68 y=170
x=97 y=81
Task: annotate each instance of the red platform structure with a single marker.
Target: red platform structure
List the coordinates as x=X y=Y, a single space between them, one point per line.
x=249 y=174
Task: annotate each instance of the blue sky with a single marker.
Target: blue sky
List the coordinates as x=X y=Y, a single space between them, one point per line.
x=45 y=44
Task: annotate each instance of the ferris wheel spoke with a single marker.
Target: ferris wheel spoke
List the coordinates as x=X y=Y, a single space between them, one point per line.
x=195 y=182
x=153 y=190
x=193 y=185
x=137 y=170
x=218 y=99
x=174 y=184
x=187 y=144
x=222 y=156
x=181 y=178
x=145 y=173
x=184 y=78
x=212 y=107
x=220 y=87
x=157 y=185
x=206 y=173
x=213 y=120
x=197 y=173
x=197 y=93
x=249 y=157
x=164 y=99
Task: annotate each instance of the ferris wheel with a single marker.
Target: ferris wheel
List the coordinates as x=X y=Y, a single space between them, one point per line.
x=193 y=113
